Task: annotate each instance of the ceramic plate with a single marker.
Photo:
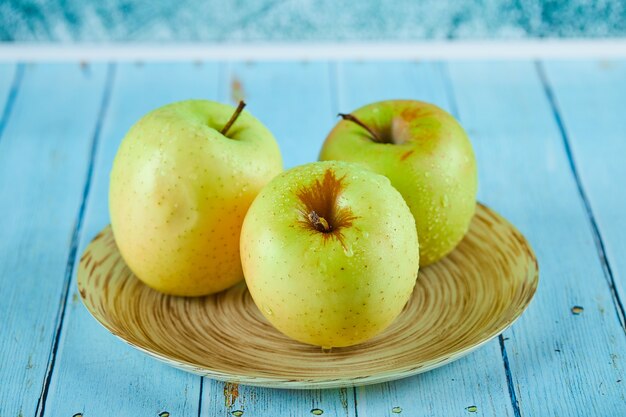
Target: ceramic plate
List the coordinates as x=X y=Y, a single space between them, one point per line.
x=458 y=304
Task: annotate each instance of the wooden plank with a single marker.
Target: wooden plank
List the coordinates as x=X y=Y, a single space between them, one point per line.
x=478 y=380
x=589 y=97
x=96 y=374
x=294 y=101
x=227 y=399
x=561 y=363
x=44 y=156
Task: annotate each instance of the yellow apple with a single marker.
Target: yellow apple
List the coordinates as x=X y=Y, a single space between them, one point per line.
x=182 y=181
x=427 y=156
x=330 y=253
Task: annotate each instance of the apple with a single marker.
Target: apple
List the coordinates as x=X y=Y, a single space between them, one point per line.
x=330 y=253
x=182 y=181
x=426 y=155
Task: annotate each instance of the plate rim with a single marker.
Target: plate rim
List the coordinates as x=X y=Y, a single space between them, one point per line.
x=328 y=383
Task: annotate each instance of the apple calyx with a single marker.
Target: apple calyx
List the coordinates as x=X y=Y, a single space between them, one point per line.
x=319 y=208
x=374 y=136
x=320 y=223
x=233 y=118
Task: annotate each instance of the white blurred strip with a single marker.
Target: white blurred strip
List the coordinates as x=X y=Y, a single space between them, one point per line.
x=529 y=49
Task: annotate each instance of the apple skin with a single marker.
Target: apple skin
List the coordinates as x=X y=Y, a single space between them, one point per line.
x=179 y=192
x=429 y=159
x=330 y=289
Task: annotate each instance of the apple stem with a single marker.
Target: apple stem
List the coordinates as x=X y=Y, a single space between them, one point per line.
x=320 y=223
x=233 y=118
x=353 y=119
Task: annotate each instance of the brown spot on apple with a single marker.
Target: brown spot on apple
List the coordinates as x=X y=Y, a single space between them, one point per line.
x=319 y=210
x=409 y=113
x=406 y=155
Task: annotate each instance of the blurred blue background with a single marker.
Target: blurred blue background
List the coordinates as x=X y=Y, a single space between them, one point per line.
x=306 y=20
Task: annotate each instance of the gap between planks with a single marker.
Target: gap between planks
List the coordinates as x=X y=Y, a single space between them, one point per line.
x=597 y=235
x=72 y=256
x=454 y=108
x=200 y=397
x=8 y=107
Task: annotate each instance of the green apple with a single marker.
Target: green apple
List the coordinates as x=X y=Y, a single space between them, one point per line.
x=330 y=253
x=182 y=181
x=427 y=156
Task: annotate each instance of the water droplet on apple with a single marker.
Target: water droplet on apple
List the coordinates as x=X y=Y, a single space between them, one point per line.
x=444 y=201
x=348 y=251
x=427 y=174
x=366 y=235
x=268 y=310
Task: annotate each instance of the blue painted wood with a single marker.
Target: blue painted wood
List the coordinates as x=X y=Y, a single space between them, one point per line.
x=360 y=83
x=96 y=374
x=10 y=79
x=590 y=98
x=560 y=363
x=478 y=380
x=44 y=153
x=294 y=101
x=557 y=363
x=226 y=399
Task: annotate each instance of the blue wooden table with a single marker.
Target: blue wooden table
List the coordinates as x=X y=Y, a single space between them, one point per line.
x=550 y=139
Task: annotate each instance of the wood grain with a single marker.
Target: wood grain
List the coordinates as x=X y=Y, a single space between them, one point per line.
x=561 y=364
x=44 y=157
x=458 y=304
x=222 y=399
x=590 y=97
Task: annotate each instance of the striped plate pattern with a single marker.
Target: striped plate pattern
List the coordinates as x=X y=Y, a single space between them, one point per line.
x=458 y=304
